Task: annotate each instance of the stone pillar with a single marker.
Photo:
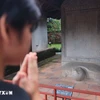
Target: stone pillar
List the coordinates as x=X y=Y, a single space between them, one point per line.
x=39 y=37
x=81 y=33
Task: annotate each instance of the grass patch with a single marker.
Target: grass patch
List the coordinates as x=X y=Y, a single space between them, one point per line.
x=57 y=46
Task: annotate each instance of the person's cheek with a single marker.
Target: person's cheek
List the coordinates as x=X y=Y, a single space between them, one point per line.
x=29 y=42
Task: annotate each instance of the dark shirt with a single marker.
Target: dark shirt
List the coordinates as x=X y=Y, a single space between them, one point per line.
x=12 y=92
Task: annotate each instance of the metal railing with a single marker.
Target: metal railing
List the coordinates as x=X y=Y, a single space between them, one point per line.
x=55 y=95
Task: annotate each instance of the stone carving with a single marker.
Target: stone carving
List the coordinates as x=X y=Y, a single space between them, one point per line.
x=81 y=39
x=79 y=74
x=81 y=71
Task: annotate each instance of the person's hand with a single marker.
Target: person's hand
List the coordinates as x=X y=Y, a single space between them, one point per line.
x=27 y=77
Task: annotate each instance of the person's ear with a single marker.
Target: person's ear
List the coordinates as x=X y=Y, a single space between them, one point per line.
x=3 y=29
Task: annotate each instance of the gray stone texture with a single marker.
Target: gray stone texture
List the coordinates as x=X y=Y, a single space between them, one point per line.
x=81 y=32
x=39 y=37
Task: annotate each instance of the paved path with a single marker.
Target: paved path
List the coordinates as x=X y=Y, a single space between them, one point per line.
x=51 y=74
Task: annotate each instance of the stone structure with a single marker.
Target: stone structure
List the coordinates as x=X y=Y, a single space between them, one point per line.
x=81 y=37
x=39 y=37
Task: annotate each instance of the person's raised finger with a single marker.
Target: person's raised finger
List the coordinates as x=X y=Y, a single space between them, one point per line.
x=23 y=67
x=18 y=76
x=33 y=53
x=32 y=66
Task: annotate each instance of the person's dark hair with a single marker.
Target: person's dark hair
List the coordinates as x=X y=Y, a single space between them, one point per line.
x=20 y=12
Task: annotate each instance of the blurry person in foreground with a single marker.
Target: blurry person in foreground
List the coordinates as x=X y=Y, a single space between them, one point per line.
x=18 y=20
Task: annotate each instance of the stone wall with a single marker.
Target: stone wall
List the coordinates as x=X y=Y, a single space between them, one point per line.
x=81 y=31
x=81 y=39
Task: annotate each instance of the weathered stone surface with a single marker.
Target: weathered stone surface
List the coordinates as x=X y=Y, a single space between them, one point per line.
x=81 y=37
x=39 y=37
x=82 y=71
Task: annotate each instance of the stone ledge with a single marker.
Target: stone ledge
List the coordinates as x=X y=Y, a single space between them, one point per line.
x=46 y=53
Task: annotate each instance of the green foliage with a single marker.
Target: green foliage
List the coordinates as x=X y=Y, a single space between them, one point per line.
x=57 y=46
x=53 y=25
